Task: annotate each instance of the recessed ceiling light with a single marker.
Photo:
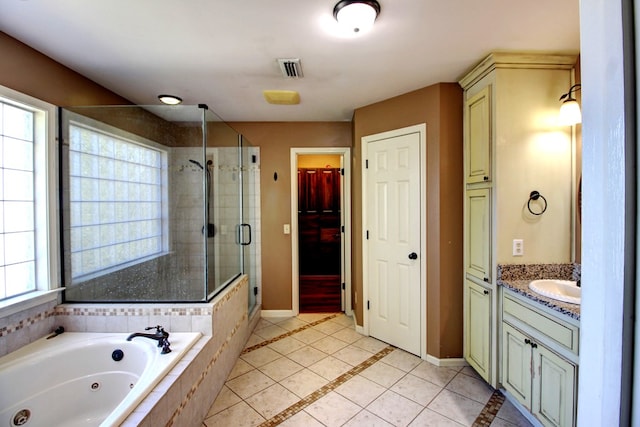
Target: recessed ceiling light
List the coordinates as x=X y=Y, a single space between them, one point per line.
x=170 y=99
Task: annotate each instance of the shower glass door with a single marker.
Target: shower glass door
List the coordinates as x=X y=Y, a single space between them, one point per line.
x=249 y=231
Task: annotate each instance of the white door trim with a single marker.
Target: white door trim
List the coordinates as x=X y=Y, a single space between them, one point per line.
x=345 y=209
x=421 y=129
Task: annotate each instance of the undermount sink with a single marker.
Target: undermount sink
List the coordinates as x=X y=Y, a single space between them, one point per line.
x=561 y=290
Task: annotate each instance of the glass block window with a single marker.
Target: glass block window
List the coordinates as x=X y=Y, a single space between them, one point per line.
x=17 y=201
x=116 y=201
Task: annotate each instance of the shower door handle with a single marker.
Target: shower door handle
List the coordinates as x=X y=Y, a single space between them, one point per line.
x=241 y=239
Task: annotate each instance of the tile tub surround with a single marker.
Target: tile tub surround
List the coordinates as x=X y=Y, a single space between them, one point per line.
x=315 y=370
x=185 y=395
x=517 y=277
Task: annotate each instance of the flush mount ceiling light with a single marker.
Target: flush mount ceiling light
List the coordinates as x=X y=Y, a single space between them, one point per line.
x=282 y=97
x=570 y=109
x=170 y=99
x=356 y=15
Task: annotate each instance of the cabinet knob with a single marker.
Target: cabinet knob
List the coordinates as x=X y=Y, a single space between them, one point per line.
x=486 y=178
x=527 y=341
x=486 y=279
x=486 y=292
x=413 y=255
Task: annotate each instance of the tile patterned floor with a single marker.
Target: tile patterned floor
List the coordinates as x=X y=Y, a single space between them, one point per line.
x=315 y=370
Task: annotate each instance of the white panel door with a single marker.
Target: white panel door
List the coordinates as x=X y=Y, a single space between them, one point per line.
x=393 y=226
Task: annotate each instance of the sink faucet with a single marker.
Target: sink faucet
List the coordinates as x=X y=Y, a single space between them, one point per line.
x=160 y=335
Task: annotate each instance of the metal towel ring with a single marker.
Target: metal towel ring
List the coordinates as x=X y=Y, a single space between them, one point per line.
x=535 y=196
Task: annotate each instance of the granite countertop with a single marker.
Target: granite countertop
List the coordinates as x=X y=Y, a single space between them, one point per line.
x=517 y=278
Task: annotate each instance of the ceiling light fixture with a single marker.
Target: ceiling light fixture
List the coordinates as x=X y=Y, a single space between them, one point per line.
x=356 y=15
x=170 y=99
x=570 y=109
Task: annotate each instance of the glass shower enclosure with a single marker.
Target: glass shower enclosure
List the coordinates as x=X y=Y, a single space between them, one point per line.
x=158 y=204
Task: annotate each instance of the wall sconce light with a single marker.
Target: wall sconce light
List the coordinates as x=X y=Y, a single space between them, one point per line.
x=570 y=109
x=170 y=99
x=356 y=15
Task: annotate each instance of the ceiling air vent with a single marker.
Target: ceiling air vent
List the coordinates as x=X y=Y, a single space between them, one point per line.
x=290 y=67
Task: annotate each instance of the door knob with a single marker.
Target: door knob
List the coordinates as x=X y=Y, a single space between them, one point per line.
x=413 y=255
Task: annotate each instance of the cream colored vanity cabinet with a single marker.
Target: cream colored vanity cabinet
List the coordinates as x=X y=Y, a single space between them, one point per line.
x=508 y=129
x=477 y=126
x=478 y=326
x=539 y=360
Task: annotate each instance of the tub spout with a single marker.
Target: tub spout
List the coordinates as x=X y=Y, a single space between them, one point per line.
x=160 y=335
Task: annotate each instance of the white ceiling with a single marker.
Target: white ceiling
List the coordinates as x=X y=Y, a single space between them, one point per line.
x=223 y=52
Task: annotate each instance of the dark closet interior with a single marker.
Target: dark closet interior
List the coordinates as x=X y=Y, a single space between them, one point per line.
x=319 y=239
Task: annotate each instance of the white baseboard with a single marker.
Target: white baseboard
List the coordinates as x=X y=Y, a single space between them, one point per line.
x=277 y=313
x=446 y=363
x=360 y=330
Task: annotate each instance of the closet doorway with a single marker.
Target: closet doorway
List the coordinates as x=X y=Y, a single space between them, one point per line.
x=320 y=230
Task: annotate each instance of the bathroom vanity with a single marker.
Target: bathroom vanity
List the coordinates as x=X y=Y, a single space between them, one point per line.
x=539 y=351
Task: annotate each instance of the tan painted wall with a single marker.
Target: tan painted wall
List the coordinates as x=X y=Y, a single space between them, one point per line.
x=440 y=107
x=275 y=140
x=30 y=72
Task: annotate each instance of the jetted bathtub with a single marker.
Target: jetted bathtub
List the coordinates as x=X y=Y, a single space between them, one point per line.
x=83 y=379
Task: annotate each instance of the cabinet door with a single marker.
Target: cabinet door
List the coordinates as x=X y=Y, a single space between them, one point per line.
x=516 y=364
x=478 y=137
x=477 y=331
x=478 y=234
x=553 y=400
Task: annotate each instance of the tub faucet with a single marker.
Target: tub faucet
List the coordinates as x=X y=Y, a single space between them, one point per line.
x=160 y=335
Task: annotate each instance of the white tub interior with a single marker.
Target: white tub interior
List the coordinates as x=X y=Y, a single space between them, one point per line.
x=73 y=380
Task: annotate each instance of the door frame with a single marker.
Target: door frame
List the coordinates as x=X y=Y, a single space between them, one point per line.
x=421 y=129
x=345 y=214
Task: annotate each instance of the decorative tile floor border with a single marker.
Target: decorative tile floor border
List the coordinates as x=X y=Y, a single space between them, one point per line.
x=486 y=417
x=288 y=334
x=490 y=410
x=300 y=405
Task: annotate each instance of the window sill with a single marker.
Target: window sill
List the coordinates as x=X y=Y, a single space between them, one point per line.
x=27 y=301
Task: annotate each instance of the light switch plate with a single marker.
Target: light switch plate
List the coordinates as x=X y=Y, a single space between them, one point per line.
x=287 y=229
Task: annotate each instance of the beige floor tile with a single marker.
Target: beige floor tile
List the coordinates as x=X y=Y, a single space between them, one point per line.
x=509 y=413
x=468 y=370
x=262 y=323
x=249 y=384
x=241 y=367
x=239 y=415
x=435 y=374
x=280 y=368
x=429 y=418
x=416 y=389
x=328 y=327
x=301 y=419
x=365 y=418
x=330 y=368
x=372 y=345
x=396 y=409
x=261 y=356
x=383 y=374
x=456 y=407
x=253 y=340
x=272 y=400
x=347 y=335
x=499 y=422
x=352 y=355
x=271 y=332
x=291 y=323
x=307 y=356
x=333 y=409
x=471 y=387
x=329 y=345
x=360 y=390
x=226 y=399
x=309 y=336
x=313 y=317
x=402 y=360
x=344 y=320
x=286 y=345
x=304 y=382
